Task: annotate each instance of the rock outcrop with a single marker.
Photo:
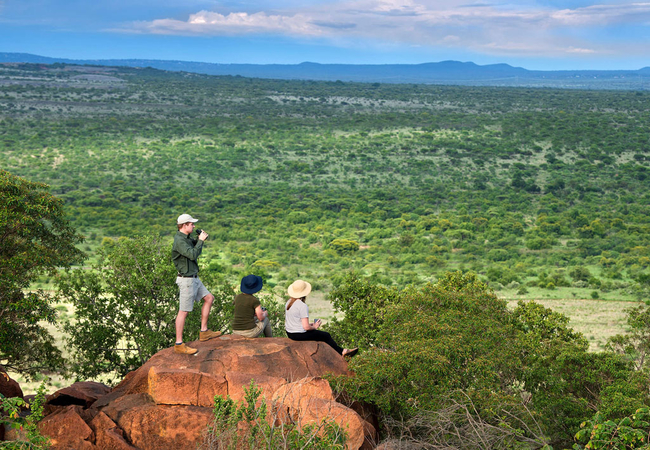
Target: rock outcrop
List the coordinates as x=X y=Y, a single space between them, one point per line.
x=167 y=403
x=8 y=388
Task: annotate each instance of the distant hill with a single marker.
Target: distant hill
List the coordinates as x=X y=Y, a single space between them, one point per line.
x=445 y=72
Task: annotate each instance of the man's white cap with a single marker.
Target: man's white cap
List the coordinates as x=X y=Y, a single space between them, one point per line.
x=184 y=218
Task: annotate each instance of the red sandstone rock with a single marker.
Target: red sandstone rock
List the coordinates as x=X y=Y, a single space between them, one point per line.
x=163 y=427
x=185 y=387
x=9 y=387
x=296 y=393
x=66 y=429
x=83 y=393
x=314 y=410
x=107 y=434
x=238 y=382
x=276 y=357
x=167 y=403
x=310 y=401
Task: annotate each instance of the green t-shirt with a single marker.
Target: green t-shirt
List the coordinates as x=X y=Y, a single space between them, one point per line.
x=244 y=316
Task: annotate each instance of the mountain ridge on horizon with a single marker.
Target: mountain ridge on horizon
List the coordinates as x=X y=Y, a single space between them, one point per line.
x=443 y=72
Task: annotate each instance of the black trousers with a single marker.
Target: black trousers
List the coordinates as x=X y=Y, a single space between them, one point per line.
x=316 y=335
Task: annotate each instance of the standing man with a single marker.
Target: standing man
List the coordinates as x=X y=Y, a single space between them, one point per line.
x=185 y=252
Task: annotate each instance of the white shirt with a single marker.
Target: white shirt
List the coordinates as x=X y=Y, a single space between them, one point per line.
x=292 y=317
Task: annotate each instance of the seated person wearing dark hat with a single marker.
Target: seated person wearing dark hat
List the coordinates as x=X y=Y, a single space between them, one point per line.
x=250 y=319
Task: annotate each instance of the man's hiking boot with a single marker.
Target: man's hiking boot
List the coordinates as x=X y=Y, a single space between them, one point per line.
x=182 y=348
x=205 y=335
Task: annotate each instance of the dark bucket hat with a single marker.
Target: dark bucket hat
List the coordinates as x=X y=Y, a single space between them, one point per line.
x=251 y=284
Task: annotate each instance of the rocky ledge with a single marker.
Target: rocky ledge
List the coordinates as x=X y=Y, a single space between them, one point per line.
x=167 y=403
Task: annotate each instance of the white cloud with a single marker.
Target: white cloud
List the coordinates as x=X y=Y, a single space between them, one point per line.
x=603 y=14
x=499 y=28
x=579 y=50
x=212 y=23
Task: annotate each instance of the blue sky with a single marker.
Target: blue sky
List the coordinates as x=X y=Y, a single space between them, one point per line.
x=545 y=35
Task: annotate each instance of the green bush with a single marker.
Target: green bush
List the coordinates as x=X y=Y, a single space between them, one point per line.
x=9 y=417
x=631 y=432
x=363 y=306
x=457 y=336
x=36 y=239
x=428 y=344
x=344 y=246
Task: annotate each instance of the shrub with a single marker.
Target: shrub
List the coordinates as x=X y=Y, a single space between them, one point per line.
x=344 y=246
x=362 y=304
x=36 y=239
x=431 y=334
x=457 y=336
x=635 y=344
x=11 y=407
x=632 y=432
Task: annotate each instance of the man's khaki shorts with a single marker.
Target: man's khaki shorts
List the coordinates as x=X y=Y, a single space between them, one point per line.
x=191 y=290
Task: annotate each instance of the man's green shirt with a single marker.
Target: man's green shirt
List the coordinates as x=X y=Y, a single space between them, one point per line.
x=185 y=252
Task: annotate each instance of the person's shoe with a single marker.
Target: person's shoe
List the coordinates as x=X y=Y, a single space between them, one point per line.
x=184 y=349
x=350 y=352
x=205 y=335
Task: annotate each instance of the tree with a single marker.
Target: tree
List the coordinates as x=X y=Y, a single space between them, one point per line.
x=35 y=239
x=430 y=341
x=126 y=306
x=363 y=305
x=635 y=345
x=457 y=337
x=344 y=246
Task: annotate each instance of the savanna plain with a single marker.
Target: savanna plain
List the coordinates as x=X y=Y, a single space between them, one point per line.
x=540 y=194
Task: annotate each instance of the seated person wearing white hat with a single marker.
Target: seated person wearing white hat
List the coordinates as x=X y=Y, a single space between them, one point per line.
x=250 y=319
x=185 y=252
x=296 y=320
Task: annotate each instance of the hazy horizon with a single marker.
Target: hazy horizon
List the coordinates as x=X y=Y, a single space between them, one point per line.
x=188 y=61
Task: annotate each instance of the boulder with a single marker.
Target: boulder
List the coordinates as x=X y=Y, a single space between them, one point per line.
x=108 y=434
x=311 y=400
x=297 y=393
x=8 y=386
x=164 y=427
x=275 y=357
x=238 y=382
x=167 y=403
x=185 y=387
x=83 y=393
x=67 y=429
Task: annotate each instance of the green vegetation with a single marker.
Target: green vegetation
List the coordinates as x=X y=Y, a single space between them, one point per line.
x=10 y=418
x=522 y=186
x=451 y=356
x=529 y=193
x=631 y=432
x=35 y=239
